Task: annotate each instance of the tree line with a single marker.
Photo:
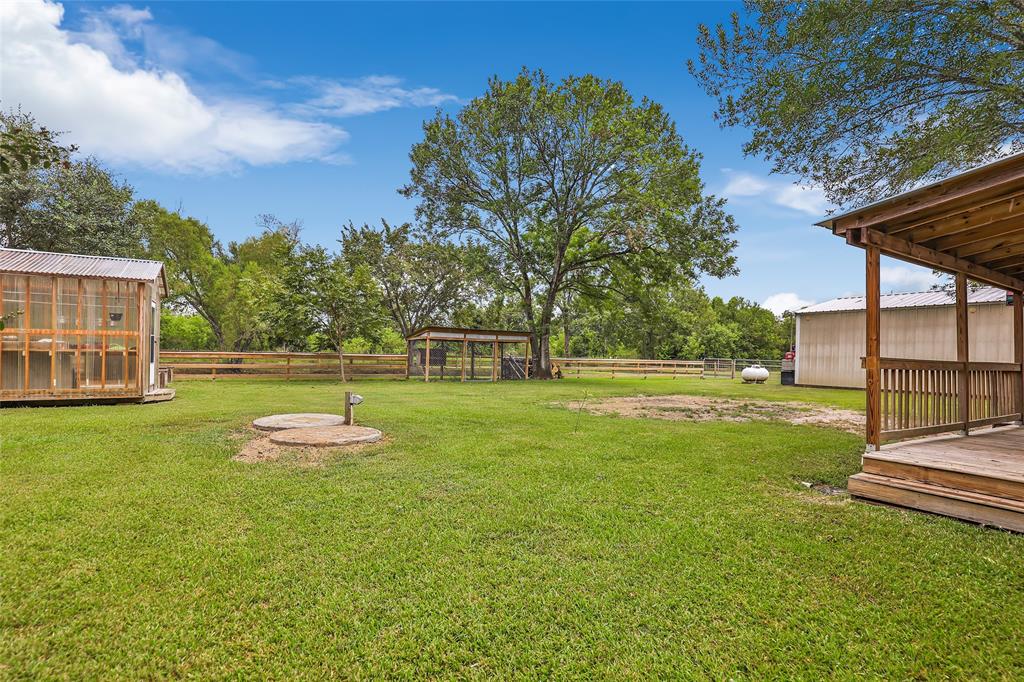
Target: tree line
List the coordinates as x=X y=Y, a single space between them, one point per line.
x=568 y=209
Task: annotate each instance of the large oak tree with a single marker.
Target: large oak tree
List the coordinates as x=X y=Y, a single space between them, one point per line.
x=868 y=98
x=562 y=181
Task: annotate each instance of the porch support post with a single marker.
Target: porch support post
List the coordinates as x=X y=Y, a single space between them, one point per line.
x=1018 y=353
x=494 y=359
x=426 y=363
x=873 y=348
x=963 y=351
x=465 y=347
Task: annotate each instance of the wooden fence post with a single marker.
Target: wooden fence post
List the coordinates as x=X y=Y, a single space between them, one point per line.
x=465 y=347
x=426 y=363
x=494 y=359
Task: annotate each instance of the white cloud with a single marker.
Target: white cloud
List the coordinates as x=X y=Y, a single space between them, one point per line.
x=145 y=116
x=796 y=197
x=367 y=95
x=784 y=301
x=744 y=185
x=810 y=200
x=131 y=39
x=902 y=279
x=106 y=31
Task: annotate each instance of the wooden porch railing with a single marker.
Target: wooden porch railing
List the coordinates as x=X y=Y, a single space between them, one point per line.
x=922 y=397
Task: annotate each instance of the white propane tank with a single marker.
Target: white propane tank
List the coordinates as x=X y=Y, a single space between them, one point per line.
x=755 y=374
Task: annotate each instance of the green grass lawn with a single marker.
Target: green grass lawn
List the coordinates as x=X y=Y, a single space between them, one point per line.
x=492 y=535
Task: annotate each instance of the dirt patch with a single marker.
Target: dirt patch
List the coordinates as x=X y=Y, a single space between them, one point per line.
x=259 y=449
x=702 y=409
x=824 y=488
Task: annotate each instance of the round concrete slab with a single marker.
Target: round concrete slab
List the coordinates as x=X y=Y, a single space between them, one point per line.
x=277 y=422
x=326 y=436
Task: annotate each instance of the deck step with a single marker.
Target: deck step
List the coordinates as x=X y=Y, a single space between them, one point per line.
x=970 y=477
x=990 y=510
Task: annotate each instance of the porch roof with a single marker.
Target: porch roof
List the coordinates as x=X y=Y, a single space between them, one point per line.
x=971 y=223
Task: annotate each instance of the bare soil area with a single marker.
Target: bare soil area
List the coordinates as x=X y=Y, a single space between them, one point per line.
x=702 y=409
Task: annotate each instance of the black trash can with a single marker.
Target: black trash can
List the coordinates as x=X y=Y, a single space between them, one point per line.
x=788 y=372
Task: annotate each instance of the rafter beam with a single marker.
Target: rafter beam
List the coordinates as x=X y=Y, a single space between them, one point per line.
x=1007 y=264
x=999 y=253
x=994 y=230
x=985 y=245
x=903 y=250
x=962 y=220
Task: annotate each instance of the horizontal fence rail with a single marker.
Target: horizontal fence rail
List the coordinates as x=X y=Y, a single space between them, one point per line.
x=924 y=397
x=712 y=368
x=275 y=365
x=628 y=367
x=271 y=365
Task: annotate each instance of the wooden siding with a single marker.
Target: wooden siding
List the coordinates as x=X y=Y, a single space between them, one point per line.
x=830 y=345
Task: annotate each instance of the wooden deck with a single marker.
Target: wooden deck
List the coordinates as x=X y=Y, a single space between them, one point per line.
x=978 y=478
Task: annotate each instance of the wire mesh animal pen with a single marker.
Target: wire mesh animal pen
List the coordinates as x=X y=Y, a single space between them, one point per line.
x=458 y=354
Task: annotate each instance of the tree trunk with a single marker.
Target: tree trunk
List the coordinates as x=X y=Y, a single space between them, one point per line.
x=543 y=350
x=544 y=365
x=341 y=362
x=565 y=333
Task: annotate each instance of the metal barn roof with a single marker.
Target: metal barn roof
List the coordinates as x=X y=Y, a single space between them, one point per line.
x=922 y=299
x=76 y=265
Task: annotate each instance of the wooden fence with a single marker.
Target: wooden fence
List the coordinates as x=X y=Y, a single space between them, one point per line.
x=574 y=367
x=270 y=365
x=223 y=365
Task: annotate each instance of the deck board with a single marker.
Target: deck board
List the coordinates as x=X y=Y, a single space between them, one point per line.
x=997 y=454
x=977 y=478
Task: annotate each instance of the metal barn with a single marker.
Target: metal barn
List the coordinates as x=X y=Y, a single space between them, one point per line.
x=80 y=328
x=830 y=336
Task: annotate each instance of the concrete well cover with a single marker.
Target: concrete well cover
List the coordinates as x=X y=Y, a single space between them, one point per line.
x=326 y=436
x=278 y=422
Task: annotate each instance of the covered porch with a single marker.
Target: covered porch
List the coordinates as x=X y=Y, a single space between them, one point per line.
x=972 y=227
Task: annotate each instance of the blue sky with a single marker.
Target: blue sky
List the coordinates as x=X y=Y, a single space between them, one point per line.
x=308 y=110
